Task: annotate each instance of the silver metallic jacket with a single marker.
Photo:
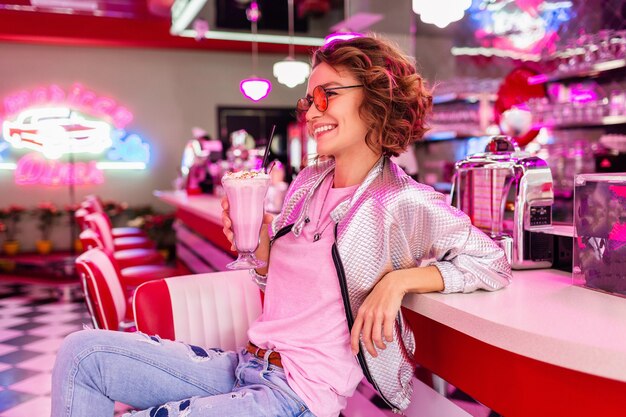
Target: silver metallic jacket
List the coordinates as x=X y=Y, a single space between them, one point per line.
x=392 y=222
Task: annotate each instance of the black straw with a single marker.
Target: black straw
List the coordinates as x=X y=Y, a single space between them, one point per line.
x=267 y=149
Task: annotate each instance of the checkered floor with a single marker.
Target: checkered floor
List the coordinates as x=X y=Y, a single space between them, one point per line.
x=33 y=323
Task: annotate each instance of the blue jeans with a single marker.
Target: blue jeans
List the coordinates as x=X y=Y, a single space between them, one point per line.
x=95 y=368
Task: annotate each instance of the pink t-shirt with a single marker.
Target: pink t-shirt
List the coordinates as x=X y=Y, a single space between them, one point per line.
x=303 y=316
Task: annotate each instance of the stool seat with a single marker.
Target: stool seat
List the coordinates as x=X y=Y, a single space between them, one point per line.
x=132 y=242
x=127 y=232
x=136 y=257
x=135 y=275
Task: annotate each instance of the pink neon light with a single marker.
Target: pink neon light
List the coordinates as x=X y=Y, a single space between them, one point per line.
x=255 y=88
x=253 y=13
x=33 y=169
x=618 y=190
x=537 y=79
x=341 y=36
x=583 y=95
x=617 y=236
x=78 y=97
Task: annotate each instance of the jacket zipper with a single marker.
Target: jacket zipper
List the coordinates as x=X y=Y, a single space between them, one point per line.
x=346 y=304
x=281 y=232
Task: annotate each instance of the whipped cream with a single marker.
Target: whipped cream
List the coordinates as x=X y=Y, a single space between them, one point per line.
x=246 y=175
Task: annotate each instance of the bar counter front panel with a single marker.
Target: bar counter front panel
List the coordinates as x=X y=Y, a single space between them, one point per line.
x=540 y=347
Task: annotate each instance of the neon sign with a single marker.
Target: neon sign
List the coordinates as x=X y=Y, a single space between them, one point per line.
x=129 y=148
x=57 y=131
x=34 y=169
x=54 y=122
x=77 y=97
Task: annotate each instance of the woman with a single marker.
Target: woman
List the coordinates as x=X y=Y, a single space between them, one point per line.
x=355 y=235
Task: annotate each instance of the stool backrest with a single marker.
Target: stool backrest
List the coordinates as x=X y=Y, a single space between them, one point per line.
x=98 y=223
x=79 y=216
x=90 y=239
x=95 y=202
x=104 y=294
x=214 y=309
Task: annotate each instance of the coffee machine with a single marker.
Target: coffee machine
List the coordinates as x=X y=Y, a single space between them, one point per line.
x=508 y=194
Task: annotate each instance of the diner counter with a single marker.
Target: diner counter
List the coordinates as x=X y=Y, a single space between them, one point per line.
x=203 y=205
x=540 y=338
x=540 y=315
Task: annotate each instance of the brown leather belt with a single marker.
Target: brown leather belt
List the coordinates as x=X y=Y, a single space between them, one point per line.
x=273 y=359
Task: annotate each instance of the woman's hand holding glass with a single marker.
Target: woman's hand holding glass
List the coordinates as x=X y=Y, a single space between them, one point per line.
x=263 y=251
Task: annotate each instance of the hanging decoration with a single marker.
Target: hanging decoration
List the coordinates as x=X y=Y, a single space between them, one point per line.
x=254 y=88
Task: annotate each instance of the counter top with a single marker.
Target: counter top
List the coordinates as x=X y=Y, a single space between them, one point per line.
x=540 y=315
x=204 y=205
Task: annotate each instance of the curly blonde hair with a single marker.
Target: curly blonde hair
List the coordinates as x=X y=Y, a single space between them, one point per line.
x=397 y=100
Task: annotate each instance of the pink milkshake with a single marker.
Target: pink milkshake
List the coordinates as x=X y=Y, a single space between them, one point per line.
x=246 y=192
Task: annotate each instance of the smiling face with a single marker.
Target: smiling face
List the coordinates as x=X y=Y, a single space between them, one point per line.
x=338 y=131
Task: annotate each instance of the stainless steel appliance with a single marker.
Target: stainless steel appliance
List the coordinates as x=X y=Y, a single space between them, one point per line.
x=509 y=195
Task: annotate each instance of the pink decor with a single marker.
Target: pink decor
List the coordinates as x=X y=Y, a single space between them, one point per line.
x=582 y=94
x=618 y=190
x=255 y=88
x=253 y=13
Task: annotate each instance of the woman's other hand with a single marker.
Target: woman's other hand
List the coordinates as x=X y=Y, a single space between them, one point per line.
x=381 y=307
x=377 y=314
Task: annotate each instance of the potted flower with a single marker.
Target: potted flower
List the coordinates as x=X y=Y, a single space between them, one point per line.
x=115 y=210
x=11 y=216
x=160 y=229
x=48 y=216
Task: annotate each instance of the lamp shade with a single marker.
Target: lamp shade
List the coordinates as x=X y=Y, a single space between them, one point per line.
x=441 y=13
x=255 y=88
x=290 y=72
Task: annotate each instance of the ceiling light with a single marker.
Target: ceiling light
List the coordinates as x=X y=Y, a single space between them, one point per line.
x=441 y=13
x=255 y=88
x=290 y=72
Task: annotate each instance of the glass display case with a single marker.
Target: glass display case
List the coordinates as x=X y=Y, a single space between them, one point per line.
x=600 y=232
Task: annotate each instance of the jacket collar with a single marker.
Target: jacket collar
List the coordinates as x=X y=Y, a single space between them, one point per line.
x=340 y=211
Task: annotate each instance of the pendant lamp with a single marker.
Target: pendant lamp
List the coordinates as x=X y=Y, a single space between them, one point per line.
x=289 y=71
x=254 y=88
x=441 y=13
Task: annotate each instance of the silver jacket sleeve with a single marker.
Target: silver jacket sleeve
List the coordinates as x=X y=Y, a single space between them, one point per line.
x=467 y=258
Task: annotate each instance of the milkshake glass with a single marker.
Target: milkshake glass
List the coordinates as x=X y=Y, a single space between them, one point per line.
x=246 y=192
